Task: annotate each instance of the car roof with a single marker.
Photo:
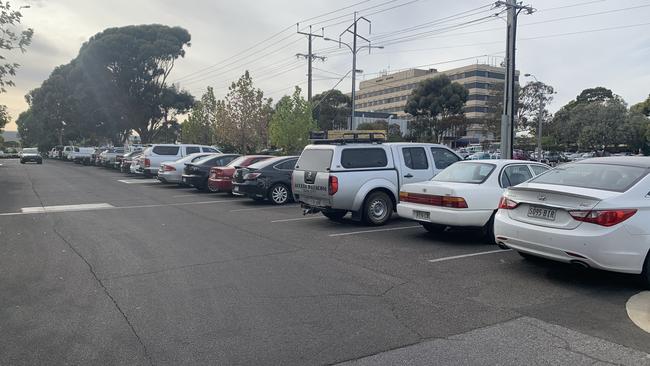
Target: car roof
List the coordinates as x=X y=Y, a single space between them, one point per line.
x=636 y=161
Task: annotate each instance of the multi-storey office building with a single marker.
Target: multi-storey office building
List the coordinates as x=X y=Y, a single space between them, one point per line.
x=389 y=93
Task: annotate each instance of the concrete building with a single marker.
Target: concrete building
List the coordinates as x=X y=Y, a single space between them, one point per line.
x=389 y=93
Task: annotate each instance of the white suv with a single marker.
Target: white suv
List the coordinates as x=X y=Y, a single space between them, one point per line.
x=363 y=177
x=154 y=155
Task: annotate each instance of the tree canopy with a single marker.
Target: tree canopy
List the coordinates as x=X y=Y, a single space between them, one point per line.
x=291 y=122
x=331 y=110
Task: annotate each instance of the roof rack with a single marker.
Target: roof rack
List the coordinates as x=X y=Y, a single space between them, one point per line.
x=347 y=136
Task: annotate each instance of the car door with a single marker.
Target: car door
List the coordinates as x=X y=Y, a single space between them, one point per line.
x=416 y=165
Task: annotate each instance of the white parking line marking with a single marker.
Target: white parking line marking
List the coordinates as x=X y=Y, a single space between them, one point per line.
x=263 y=208
x=638 y=310
x=194 y=195
x=299 y=219
x=139 y=181
x=40 y=210
x=468 y=255
x=64 y=208
x=376 y=230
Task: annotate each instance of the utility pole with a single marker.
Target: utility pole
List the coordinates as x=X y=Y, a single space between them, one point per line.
x=309 y=56
x=354 y=50
x=509 y=97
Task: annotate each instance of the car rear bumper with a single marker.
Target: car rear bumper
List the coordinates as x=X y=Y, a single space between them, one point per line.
x=445 y=216
x=193 y=180
x=169 y=177
x=249 y=189
x=608 y=248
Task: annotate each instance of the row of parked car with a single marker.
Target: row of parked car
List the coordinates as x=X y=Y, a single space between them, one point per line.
x=592 y=213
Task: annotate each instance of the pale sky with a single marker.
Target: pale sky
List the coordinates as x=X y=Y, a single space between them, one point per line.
x=569 y=45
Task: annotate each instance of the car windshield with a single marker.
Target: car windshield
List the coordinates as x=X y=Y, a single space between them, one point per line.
x=30 y=150
x=264 y=163
x=315 y=160
x=238 y=162
x=465 y=173
x=607 y=177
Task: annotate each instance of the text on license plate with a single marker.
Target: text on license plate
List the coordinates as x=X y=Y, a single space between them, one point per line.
x=421 y=215
x=542 y=213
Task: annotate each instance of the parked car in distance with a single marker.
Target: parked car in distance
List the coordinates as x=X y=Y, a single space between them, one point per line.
x=593 y=213
x=519 y=155
x=482 y=155
x=267 y=179
x=108 y=157
x=94 y=157
x=196 y=174
x=65 y=152
x=466 y=194
x=363 y=176
x=30 y=154
x=81 y=154
x=220 y=179
x=172 y=171
x=156 y=154
x=127 y=159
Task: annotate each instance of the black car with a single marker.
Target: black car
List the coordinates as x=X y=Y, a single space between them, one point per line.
x=196 y=174
x=268 y=179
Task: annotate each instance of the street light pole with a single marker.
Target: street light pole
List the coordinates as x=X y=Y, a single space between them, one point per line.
x=354 y=70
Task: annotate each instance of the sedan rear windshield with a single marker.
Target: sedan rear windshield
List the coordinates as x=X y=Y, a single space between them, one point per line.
x=617 y=178
x=315 y=160
x=475 y=173
x=30 y=150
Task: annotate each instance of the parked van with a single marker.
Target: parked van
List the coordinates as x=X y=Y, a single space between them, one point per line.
x=154 y=155
x=363 y=176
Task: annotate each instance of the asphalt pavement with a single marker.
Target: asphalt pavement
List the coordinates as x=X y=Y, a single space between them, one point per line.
x=98 y=267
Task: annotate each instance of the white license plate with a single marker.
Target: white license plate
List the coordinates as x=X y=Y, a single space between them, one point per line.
x=421 y=215
x=542 y=213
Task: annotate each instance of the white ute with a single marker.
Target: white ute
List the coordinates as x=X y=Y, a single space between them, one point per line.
x=362 y=175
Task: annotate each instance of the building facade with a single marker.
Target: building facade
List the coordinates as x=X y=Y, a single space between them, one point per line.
x=389 y=93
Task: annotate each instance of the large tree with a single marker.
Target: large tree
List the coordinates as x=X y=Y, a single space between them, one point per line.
x=127 y=69
x=642 y=107
x=243 y=117
x=436 y=103
x=331 y=110
x=291 y=123
x=532 y=96
x=199 y=128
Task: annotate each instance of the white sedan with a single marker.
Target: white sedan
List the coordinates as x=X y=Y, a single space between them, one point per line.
x=466 y=194
x=593 y=213
x=172 y=171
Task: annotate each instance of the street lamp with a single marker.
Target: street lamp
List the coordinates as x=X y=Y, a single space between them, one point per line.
x=354 y=67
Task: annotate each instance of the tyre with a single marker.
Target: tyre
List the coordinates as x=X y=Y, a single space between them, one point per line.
x=22 y=162
x=377 y=209
x=210 y=189
x=335 y=215
x=488 y=231
x=279 y=194
x=433 y=228
x=645 y=275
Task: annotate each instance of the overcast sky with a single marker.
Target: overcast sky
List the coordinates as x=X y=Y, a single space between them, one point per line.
x=569 y=45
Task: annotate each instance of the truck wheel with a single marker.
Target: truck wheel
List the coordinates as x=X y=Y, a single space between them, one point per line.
x=377 y=209
x=279 y=194
x=433 y=228
x=335 y=215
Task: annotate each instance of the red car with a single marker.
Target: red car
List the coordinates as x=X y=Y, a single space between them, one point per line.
x=220 y=179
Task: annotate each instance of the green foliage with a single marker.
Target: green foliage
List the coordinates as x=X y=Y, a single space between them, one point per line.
x=291 y=123
x=436 y=103
x=4 y=117
x=597 y=94
x=528 y=107
x=13 y=38
x=642 y=107
x=242 y=118
x=331 y=110
x=393 y=131
x=199 y=128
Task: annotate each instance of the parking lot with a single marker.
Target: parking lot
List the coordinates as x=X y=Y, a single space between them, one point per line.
x=98 y=267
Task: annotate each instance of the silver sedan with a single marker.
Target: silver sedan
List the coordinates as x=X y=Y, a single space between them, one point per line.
x=171 y=171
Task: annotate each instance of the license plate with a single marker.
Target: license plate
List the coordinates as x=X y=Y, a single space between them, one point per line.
x=542 y=213
x=421 y=215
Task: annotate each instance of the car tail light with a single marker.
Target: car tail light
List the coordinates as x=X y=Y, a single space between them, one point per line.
x=168 y=168
x=147 y=162
x=507 y=204
x=433 y=200
x=333 y=185
x=602 y=217
x=252 y=176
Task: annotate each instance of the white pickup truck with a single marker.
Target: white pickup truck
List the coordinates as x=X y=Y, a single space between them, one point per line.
x=80 y=154
x=363 y=176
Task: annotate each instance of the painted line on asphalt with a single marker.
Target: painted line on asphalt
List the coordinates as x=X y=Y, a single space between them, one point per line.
x=376 y=230
x=197 y=194
x=263 y=208
x=638 y=310
x=298 y=219
x=468 y=255
x=66 y=208
x=139 y=181
x=40 y=210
